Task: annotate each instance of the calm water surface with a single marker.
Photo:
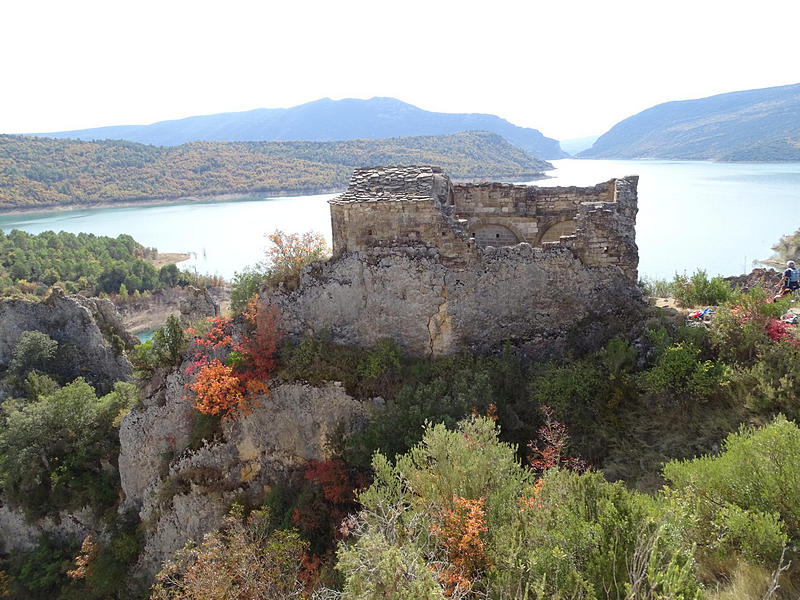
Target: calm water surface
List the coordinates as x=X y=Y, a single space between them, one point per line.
x=717 y=216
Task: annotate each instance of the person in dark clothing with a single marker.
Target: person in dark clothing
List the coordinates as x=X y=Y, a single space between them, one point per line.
x=790 y=280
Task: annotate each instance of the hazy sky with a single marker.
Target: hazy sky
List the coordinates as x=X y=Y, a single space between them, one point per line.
x=568 y=68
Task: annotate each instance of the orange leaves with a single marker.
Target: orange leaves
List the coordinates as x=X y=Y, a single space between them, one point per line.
x=232 y=388
x=218 y=390
x=89 y=551
x=290 y=252
x=553 y=438
x=459 y=530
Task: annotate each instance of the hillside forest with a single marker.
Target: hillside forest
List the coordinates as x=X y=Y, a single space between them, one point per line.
x=43 y=172
x=82 y=263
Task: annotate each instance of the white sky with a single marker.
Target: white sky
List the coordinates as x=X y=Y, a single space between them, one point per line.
x=569 y=68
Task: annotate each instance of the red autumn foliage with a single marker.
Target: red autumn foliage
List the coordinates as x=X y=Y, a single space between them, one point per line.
x=258 y=349
x=218 y=391
x=459 y=530
x=546 y=453
x=231 y=389
x=327 y=500
x=780 y=331
x=338 y=486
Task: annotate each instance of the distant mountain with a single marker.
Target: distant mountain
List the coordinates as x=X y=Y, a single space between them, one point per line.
x=45 y=172
x=322 y=120
x=575 y=145
x=753 y=125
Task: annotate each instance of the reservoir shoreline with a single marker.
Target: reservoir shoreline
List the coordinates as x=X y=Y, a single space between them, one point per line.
x=148 y=202
x=220 y=198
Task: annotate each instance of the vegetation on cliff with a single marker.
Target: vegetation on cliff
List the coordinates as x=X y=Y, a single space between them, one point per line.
x=788 y=247
x=498 y=506
x=42 y=172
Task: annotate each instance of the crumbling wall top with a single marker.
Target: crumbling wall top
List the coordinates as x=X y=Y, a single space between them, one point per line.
x=404 y=183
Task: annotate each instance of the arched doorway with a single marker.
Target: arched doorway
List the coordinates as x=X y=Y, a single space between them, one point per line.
x=494 y=235
x=557 y=230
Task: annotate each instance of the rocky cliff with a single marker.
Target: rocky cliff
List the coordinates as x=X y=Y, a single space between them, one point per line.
x=533 y=297
x=181 y=493
x=90 y=335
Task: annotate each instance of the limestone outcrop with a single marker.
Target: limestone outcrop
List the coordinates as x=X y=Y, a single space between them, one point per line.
x=88 y=330
x=197 y=304
x=183 y=494
x=19 y=534
x=440 y=267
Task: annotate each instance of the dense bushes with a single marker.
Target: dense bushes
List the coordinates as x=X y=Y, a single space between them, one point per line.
x=699 y=290
x=694 y=290
x=55 y=450
x=743 y=507
x=245 y=558
x=459 y=517
x=85 y=263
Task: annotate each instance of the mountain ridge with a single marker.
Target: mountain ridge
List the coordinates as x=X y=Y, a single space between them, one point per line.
x=320 y=120
x=748 y=125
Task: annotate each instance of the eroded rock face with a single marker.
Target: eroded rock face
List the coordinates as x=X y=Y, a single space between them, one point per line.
x=184 y=496
x=86 y=349
x=530 y=296
x=19 y=534
x=197 y=304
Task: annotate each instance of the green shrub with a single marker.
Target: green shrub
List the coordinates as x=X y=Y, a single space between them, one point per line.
x=40 y=573
x=35 y=350
x=380 y=359
x=747 y=498
x=443 y=391
x=656 y=288
x=698 y=290
x=53 y=451
x=38 y=384
x=772 y=383
x=244 y=286
x=164 y=349
x=679 y=373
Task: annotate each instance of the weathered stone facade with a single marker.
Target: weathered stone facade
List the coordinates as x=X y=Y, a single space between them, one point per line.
x=420 y=206
x=438 y=266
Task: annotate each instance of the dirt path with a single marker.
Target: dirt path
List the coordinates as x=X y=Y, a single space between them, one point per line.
x=168 y=258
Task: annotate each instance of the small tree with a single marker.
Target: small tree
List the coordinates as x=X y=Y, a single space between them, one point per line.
x=34 y=350
x=244 y=559
x=290 y=252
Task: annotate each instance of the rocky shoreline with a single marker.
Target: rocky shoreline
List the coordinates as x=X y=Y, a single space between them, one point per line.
x=190 y=304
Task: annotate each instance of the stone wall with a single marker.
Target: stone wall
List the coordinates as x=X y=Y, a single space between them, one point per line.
x=440 y=267
x=527 y=211
x=532 y=297
x=398 y=207
x=421 y=207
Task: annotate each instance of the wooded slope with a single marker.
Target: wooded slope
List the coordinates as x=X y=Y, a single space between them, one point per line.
x=45 y=172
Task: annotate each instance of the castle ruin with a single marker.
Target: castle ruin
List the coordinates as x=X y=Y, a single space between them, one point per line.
x=439 y=266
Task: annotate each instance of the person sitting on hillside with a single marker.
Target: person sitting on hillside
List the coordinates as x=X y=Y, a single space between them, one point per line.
x=790 y=280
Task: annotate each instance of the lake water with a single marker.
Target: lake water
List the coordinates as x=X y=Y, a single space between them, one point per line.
x=718 y=216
